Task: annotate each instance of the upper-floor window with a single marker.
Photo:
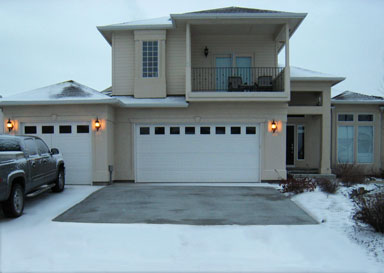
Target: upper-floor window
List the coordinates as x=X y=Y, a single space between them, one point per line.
x=150 y=59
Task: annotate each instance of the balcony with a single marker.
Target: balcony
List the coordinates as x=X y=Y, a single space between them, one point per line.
x=238 y=79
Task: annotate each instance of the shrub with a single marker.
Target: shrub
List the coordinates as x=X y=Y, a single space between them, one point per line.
x=328 y=185
x=370 y=210
x=297 y=185
x=349 y=174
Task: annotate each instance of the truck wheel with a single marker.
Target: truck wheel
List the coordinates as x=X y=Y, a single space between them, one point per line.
x=14 y=206
x=60 y=181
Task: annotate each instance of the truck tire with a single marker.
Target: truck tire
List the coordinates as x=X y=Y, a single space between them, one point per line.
x=60 y=181
x=14 y=206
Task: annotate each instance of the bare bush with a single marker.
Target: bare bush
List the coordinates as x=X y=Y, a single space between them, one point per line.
x=370 y=210
x=350 y=174
x=328 y=185
x=297 y=185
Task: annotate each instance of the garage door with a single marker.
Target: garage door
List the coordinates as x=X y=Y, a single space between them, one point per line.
x=190 y=153
x=74 y=142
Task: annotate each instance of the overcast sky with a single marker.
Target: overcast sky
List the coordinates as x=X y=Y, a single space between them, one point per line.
x=46 y=42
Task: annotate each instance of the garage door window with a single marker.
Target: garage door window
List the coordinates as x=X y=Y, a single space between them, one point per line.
x=235 y=130
x=251 y=130
x=189 y=130
x=220 y=130
x=65 y=129
x=205 y=130
x=174 y=130
x=159 y=130
x=47 y=129
x=30 y=130
x=144 y=130
x=82 y=129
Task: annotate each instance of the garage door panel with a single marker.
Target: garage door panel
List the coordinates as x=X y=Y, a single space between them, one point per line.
x=75 y=148
x=197 y=158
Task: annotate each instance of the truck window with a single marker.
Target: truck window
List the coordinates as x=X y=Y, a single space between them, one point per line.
x=30 y=146
x=42 y=147
x=9 y=145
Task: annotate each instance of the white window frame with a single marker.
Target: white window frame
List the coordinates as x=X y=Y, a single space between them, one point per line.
x=147 y=74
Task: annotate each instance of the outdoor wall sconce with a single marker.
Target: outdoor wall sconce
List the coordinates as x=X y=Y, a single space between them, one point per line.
x=97 y=124
x=9 y=125
x=206 y=51
x=273 y=126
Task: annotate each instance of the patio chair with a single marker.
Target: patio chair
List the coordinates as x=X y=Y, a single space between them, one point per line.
x=235 y=83
x=264 y=83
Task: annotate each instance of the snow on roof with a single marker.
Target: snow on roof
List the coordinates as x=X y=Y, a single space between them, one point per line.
x=147 y=22
x=68 y=92
x=302 y=74
x=349 y=97
x=235 y=10
x=170 y=101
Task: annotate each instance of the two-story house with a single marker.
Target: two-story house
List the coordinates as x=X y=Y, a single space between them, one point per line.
x=195 y=97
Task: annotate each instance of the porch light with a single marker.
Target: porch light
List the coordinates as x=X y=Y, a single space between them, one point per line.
x=206 y=51
x=97 y=124
x=273 y=126
x=9 y=125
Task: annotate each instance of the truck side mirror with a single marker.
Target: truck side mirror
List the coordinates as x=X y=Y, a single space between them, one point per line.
x=55 y=151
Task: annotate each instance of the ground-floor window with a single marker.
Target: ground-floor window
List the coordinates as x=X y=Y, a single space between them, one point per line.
x=345 y=141
x=346 y=144
x=300 y=142
x=365 y=144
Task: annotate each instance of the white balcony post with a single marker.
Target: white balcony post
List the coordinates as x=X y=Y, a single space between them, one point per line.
x=287 y=73
x=188 y=69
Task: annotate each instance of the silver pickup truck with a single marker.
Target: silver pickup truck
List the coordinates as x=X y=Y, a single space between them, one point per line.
x=27 y=168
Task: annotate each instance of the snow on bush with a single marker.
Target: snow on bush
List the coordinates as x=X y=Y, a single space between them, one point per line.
x=297 y=185
x=370 y=210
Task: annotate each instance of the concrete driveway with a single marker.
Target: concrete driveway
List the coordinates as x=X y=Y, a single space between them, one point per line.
x=190 y=205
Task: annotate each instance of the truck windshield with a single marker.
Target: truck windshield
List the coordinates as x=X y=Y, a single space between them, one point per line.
x=8 y=145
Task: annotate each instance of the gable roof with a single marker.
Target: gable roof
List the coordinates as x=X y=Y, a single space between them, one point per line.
x=68 y=92
x=349 y=97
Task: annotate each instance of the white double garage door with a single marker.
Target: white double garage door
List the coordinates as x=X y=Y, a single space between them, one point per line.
x=73 y=139
x=197 y=153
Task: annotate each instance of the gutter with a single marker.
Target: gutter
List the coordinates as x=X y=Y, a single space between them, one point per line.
x=239 y=15
x=357 y=102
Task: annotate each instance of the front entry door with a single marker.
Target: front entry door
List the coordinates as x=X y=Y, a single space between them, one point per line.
x=290 y=160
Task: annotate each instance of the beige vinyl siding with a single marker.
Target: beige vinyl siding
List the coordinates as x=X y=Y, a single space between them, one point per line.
x=123 y=63
x=261 y=47
x=175 y=62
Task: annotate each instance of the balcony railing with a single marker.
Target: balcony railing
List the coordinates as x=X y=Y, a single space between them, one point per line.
x=238 y=79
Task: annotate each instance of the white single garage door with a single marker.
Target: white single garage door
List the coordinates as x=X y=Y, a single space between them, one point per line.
x=73 y=141
x=197 y=153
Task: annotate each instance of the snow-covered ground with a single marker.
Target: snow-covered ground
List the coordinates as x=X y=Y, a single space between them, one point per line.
x=336 y=211
x=33 y=243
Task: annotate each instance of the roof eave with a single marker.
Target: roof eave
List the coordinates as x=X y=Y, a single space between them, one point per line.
x=333 y=80
x=238 y=16
x=373 y=102
x=57 y=102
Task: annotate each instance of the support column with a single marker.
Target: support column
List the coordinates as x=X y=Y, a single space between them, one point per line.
x=188 y=69
x=287 y=73
x=325 y=164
